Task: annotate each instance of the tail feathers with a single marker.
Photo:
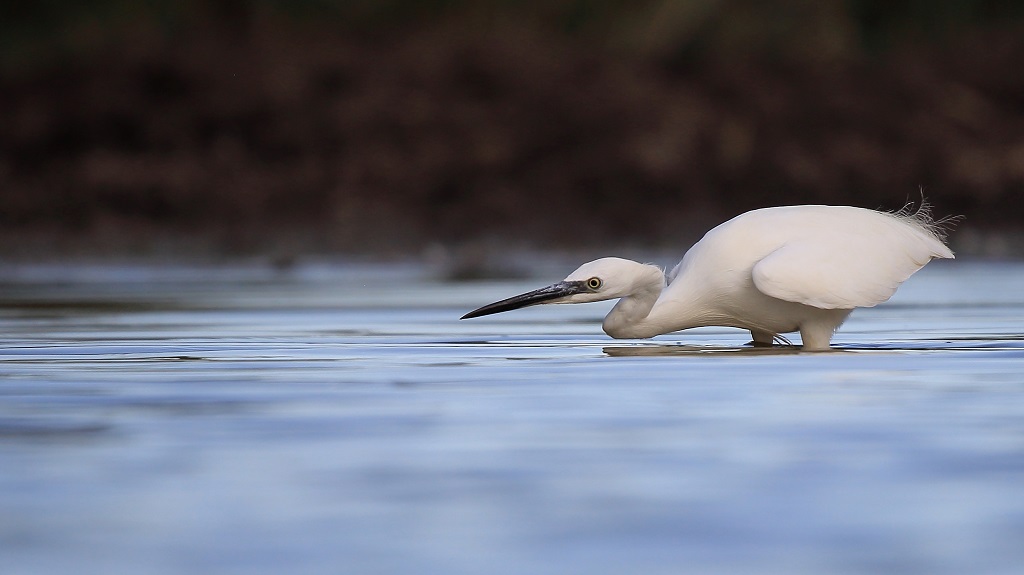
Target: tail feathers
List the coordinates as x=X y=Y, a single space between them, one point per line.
x=932 y=231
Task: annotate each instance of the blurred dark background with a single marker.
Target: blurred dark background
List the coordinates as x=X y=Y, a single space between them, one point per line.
x=381 y=127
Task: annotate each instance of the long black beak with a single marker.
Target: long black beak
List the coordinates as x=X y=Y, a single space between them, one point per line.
x=542 y=295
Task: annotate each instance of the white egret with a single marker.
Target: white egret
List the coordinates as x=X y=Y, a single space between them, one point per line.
x=771 y=271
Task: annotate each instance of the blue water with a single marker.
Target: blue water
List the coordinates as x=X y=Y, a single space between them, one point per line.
x=338 y=418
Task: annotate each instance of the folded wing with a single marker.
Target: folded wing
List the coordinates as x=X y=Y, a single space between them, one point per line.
x=849 y=267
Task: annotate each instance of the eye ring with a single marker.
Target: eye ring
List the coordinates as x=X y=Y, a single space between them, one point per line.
x=594 y=283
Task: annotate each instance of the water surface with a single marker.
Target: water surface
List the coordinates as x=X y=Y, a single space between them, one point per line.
x=340 y=419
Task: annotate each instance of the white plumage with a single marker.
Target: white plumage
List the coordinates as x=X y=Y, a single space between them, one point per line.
x=770 y=271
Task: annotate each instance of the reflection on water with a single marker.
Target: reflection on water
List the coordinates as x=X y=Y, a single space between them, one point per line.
x=655 y=350
x=1006 y=342
x=339 y=418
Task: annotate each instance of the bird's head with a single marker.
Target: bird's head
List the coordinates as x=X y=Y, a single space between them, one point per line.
x=606 y=278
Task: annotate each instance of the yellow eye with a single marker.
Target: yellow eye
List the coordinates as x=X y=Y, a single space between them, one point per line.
x=594 y=283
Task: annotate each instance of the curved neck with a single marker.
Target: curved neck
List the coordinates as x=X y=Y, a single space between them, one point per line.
x=630 y=316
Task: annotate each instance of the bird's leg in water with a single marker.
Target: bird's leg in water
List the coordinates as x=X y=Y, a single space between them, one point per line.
x=816 y=337
x=762 y=338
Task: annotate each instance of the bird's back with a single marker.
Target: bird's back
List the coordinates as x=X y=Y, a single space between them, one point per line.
x=828 y=257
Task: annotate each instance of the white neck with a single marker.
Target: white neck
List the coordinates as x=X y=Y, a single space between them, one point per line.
x=630 y=318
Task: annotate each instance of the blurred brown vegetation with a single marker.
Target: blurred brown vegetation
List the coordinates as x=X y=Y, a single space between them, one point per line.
x=372 y=127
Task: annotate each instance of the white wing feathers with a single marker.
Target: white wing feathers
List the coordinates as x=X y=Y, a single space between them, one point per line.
x=847 y=270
